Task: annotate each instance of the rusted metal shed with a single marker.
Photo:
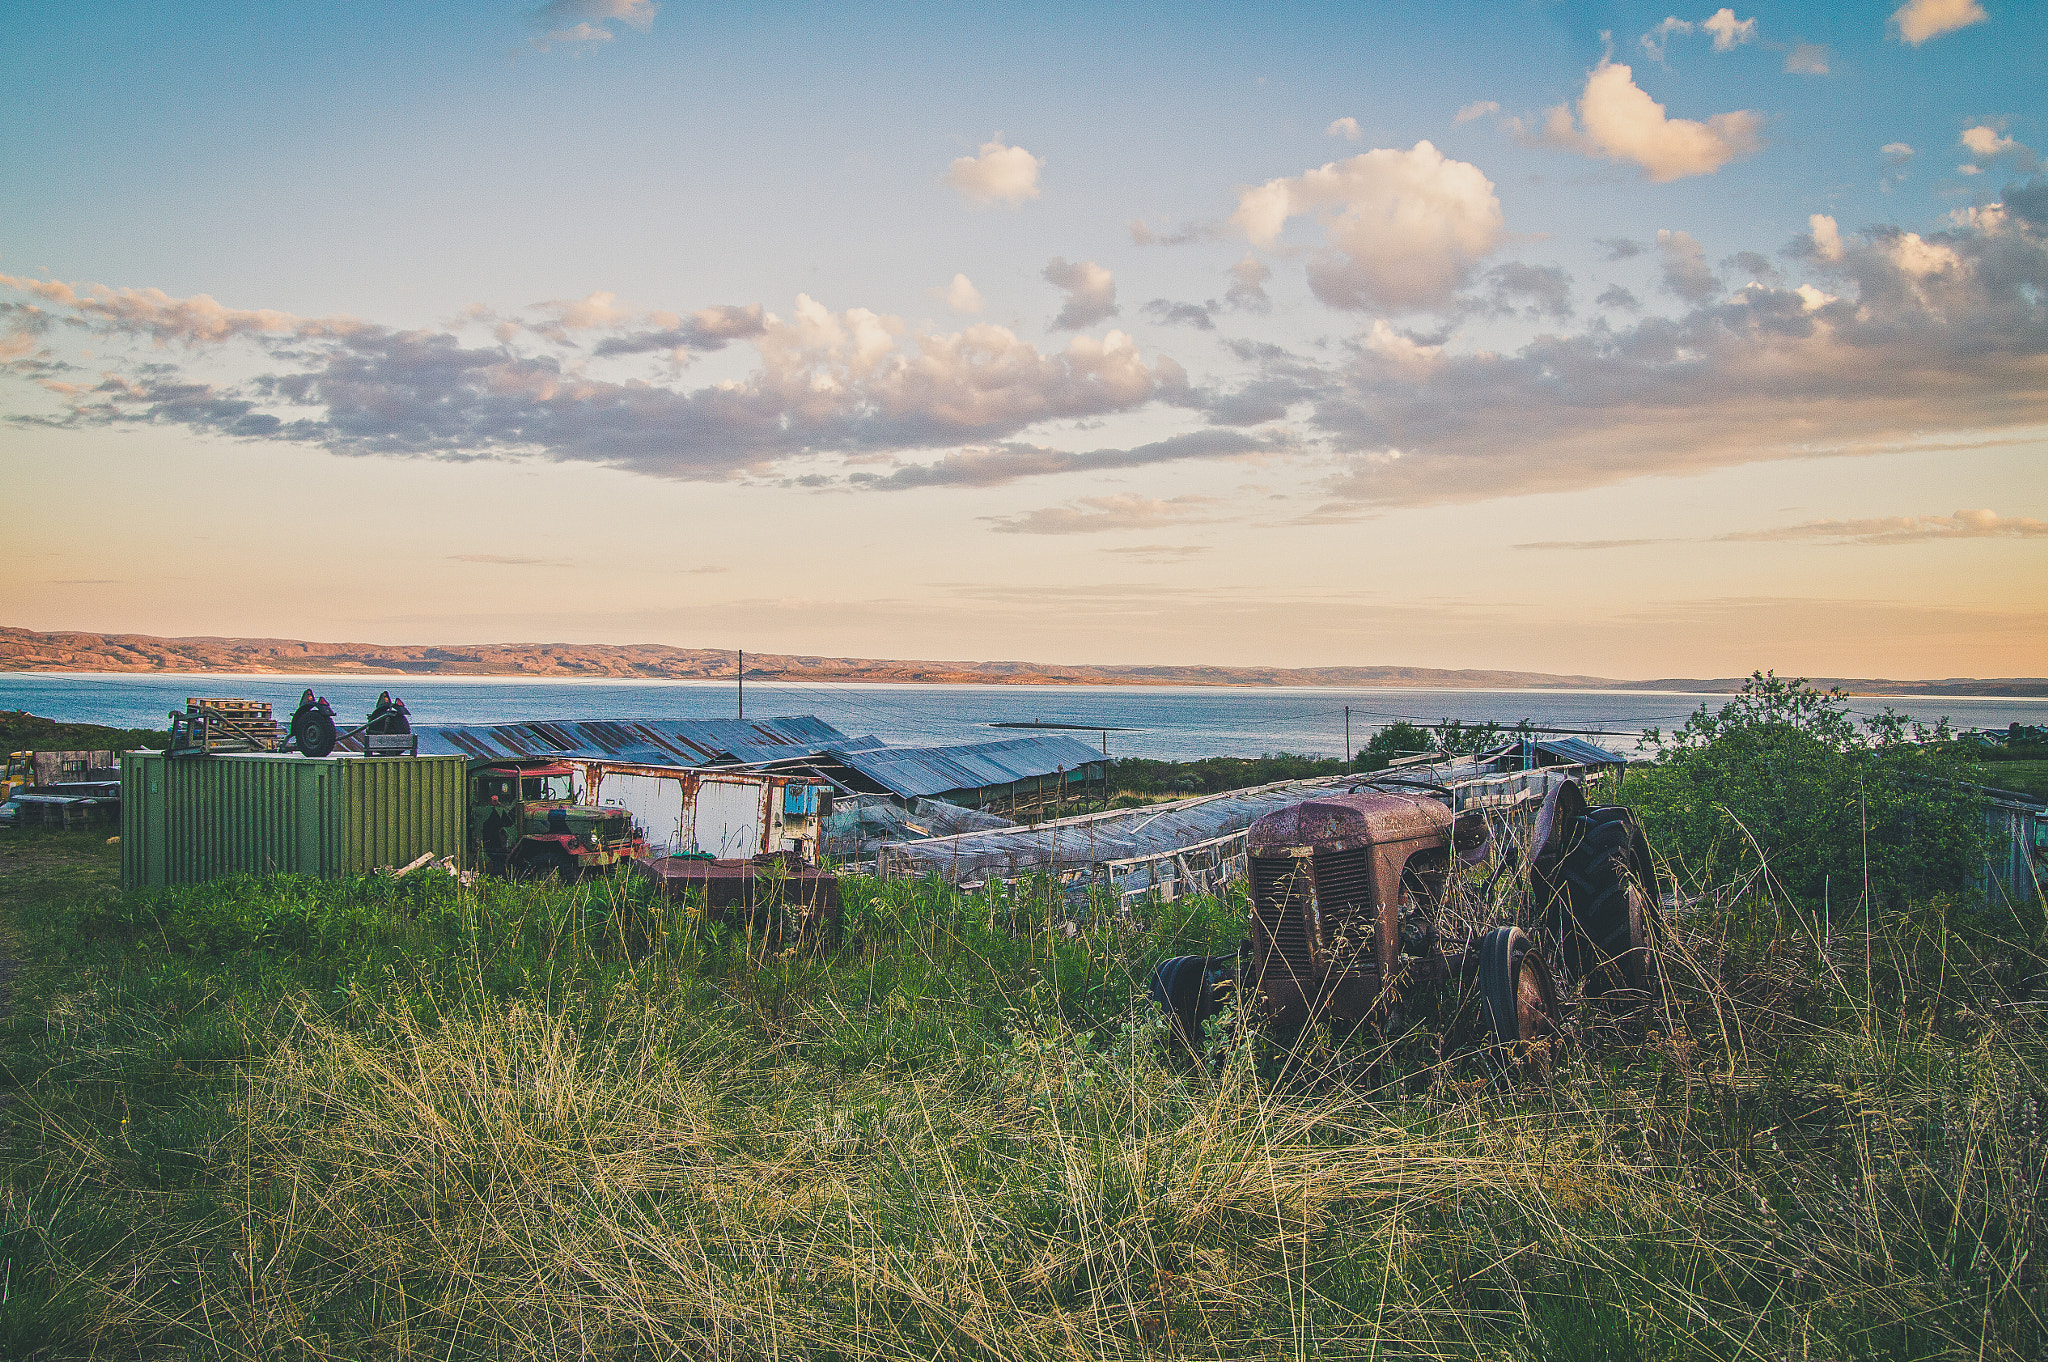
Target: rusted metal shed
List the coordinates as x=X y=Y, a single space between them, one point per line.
x=709 y=812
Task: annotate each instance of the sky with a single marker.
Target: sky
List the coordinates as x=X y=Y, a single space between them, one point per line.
x=1597 y=339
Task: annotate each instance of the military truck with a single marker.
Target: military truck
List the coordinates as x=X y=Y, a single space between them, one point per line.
x=524 y=822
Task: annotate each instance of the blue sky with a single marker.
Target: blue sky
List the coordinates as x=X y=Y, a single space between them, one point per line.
x=638 y=322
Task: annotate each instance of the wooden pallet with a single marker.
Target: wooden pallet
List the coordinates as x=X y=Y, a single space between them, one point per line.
x=248 y=720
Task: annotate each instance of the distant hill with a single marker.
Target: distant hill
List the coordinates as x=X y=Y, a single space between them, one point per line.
x=26 y=650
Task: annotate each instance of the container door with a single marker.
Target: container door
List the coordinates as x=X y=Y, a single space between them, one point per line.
x=656 y=803
x=728 y=822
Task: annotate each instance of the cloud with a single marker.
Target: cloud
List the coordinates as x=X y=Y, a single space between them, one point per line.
x=1686 y=273
x=1090 y=290
x=962 y=296
x=1619 y=247
x=1807 y=59
x=1197 y=315
x=1615 y=296
x=1827 y=237
x=1188 y=235
x=1247 y=291
x=1895 y=341
x=1479 y=109
x=1729 y=32
x=1346 y=128
x=704 y=332
x=1902 y=529
x=999 y=465
x=826 y=383
x=1895 y=153
x=1618 y=122
x=1986 y=142
x=1403 y=229
x=1655 y=40
x=1545 y=289
x=1919 y=20
x=509 y=560
x=1097 y=515
x=997 y=174
x=580 y=23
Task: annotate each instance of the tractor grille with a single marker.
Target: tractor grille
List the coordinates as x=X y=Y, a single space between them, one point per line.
x=1283 y=901
x=1344 y=898
x=616 y=829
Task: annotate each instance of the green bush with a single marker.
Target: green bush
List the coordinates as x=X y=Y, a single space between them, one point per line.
x=1783 y=776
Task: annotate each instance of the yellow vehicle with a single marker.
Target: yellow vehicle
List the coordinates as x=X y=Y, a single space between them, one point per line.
x=18 y=775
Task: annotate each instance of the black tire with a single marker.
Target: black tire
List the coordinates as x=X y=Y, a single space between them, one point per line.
x=1517 y=990
x=538 y=863
x=1600 y=909
x=1185 y=990
x=313 y=732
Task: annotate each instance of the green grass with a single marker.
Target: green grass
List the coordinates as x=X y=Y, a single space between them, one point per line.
x=2028 y=777
x=301 y=1119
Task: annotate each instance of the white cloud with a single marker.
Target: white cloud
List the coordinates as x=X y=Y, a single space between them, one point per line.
x=1686 y=272
x=1655 y=40
x=585 y=20
x=1896 y=153
x=1969 y=170
x=962 y=296
x=997 y=174
x=1346 y=128
x=1617 y=120
x=1807 y=59
x=1986 y=141
x=1827 y=237
x=1920 y=258
x=1729 y=32
x=1479 y=109
x=1090 y=290
x=1919 y=20
x=1403 y=228
x=1904 y=529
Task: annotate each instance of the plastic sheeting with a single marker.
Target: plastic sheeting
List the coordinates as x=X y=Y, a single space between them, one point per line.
x=860 y=823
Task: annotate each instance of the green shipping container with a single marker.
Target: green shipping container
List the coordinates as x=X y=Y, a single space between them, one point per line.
x=188 y=820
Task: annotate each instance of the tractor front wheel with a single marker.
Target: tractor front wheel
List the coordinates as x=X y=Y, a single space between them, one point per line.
x=1519 y=993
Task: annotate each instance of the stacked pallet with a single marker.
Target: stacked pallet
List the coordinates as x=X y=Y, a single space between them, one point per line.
x=248 y=720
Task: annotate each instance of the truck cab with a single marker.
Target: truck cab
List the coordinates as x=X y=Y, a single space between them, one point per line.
x=524 y=820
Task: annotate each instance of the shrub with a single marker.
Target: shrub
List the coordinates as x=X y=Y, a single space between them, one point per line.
x=1835 y=808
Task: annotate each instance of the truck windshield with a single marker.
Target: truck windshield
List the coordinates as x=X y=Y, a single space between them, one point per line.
x=547 y=789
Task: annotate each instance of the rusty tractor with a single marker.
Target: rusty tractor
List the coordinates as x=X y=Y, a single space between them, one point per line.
x=1349 y=899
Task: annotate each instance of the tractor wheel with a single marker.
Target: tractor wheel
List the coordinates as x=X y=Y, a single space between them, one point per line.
x=1184 y=988
x=1517 y=989
x=538 y=863
x=1602 y=915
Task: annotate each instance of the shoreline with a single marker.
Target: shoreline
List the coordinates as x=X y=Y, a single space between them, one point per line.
x=767 y=682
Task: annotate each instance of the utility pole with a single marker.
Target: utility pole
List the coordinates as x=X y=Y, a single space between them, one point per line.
x=1347 y=739
x=741 y=677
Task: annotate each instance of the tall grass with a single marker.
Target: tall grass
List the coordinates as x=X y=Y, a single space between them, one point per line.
x=290 y=1119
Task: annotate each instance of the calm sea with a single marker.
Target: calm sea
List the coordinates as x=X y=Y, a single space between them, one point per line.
x=1170 y=722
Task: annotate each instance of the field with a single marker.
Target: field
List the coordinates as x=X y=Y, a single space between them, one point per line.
x=299 y=1119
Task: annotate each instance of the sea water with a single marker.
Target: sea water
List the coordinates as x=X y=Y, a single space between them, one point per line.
x=1175 y=723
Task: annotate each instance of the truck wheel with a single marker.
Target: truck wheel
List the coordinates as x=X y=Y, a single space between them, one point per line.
x=1516 y=987
x=1602 y=913
x=312 y=732
x=1185 y=990
x=541 y=862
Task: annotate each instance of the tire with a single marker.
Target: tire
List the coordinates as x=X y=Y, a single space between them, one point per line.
x=1184 y=989
x=313 y=732
x=1600 y=909
x=538 y=863
x=1517 y=989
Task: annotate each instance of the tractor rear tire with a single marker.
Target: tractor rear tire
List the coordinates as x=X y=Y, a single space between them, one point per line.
x=1519 y=993
x=1603 y=916
x=1183 y=989
x=313 y=732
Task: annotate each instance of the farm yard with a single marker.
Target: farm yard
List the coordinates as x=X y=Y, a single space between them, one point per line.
x=301 y=1118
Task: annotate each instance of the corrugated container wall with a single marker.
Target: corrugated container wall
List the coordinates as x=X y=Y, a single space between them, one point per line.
x=194 y=818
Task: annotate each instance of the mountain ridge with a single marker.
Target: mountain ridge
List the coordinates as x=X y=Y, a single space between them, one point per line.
x=30 y=650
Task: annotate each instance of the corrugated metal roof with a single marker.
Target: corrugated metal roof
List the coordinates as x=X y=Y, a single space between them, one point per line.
x=969 y=766
x=653 y=742
x=1579 y=750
